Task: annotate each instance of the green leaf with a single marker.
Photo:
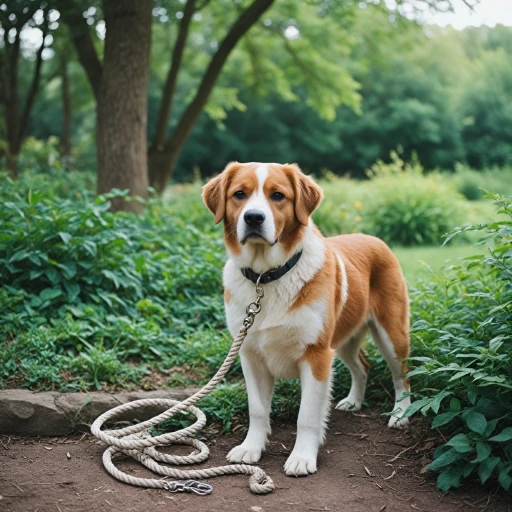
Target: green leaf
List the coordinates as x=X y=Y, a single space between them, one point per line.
x=483 y=450
x=487 y=467
x=18 y=256
x=449 y=478
x=504 y=477
x=66 y=237
x=476 y=422
x=50 y=294
x=504 y=435
x=443 y=419
x=491 y=425
x=416 y=406
x=445 y=459
x=454 y=405
x=73 y=290
x=438 y=399
x=460 y=442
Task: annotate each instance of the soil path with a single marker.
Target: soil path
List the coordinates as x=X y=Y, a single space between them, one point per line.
x=363 y=467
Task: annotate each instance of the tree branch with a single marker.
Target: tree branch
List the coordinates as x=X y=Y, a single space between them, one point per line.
x=81 y=37
x=172 y=77
x=187 y=121
x=34 y=86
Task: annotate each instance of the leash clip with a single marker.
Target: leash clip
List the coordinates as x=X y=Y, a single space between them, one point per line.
x=191 y=486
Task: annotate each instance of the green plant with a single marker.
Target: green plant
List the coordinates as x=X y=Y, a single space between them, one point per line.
x=464 y=325
x=409 y=207
x=75 y=277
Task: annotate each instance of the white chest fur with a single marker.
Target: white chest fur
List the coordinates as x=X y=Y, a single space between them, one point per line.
x=279 y=336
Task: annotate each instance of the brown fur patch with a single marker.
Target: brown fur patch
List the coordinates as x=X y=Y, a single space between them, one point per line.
x=319 y=356
x=227 y=295
x=364 y=362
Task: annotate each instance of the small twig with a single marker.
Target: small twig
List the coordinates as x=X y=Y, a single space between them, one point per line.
x=390 y=476
x=361 y=436
x=403 y=451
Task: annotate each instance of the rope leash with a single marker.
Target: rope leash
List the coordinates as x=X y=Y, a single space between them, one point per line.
x=138 y=443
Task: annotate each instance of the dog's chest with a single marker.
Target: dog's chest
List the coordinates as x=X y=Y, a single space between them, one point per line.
x=279 y=336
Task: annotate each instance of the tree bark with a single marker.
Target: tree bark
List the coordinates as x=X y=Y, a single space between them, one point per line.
x=162 y=162
x=122 y=101
x=65 y=143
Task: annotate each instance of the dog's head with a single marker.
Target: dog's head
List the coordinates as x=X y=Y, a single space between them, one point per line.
x=262 y=203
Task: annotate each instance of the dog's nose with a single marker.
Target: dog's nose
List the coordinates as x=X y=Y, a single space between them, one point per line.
x=254 y=218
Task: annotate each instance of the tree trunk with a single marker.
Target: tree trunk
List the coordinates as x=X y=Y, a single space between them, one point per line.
x=162 y=162
x=122 y=101
x=12 y=104
x=65 y=143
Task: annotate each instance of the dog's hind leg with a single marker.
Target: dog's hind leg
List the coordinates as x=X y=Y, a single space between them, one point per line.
x=349 y=353
x=393 y=344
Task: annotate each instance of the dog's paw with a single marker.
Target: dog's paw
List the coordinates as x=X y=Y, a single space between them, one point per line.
x=348 y=404
x=397 y=422
x=300 y=466
x=247 y=455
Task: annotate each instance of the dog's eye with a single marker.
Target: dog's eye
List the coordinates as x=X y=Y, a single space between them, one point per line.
x=239 y=194
x=277 y=196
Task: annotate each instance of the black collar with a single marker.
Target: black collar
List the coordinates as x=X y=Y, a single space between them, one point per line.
x=275 y=273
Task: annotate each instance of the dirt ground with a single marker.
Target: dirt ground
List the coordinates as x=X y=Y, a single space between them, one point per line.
x=363 y=467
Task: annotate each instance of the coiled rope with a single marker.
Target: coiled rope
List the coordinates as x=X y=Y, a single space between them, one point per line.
x=139 y=444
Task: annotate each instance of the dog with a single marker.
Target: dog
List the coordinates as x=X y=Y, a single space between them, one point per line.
x=321 y=297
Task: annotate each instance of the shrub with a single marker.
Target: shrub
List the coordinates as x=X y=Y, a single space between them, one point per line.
x=100 y=290
x=408 y=207
x=464 y=324
x=471 y=182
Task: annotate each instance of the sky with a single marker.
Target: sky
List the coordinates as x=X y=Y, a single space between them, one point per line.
x=487 y=12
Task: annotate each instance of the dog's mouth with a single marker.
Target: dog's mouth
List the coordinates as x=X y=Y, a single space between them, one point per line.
x=256 y=237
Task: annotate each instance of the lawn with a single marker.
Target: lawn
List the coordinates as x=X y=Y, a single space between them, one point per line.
x=420 y=262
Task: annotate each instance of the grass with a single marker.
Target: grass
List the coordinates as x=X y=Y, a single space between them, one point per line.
x=419 y=262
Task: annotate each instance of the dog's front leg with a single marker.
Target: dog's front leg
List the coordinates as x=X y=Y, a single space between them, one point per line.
x=313 y=414
x=260 y=385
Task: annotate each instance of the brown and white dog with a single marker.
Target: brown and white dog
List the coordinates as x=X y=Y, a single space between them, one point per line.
x=336 y=289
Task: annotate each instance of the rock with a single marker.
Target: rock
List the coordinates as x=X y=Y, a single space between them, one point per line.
x=25 y=413
x=28 y=413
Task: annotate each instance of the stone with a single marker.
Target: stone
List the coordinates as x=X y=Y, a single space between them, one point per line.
x=28 y=413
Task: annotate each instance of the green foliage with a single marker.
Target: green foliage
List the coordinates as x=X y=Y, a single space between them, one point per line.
x=409 y=207
x=91 y=299
x=100 y=291
x=472 y=183
x=463 y=332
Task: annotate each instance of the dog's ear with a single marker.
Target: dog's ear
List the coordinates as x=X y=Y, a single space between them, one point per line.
x=308 y=195
x=214 y=192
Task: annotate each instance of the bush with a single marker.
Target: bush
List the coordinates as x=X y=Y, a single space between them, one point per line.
x=464 y=325
x=100 y=291
x=408 y=207
x=472 y=183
